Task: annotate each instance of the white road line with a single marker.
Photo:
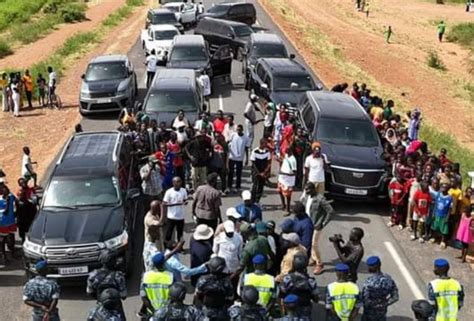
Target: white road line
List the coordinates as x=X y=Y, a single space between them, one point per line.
x=221 y=103
x=257 y=23
x=403 y=269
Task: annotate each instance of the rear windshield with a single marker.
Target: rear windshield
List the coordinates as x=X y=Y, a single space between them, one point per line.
x=106 y=71
x=242 y=31
x=165 y=34
x=269 y=51
x=293 y=83
x=347 y=132
x=218 y=9
x=163 y=18
x=188 y=53
x=171 y=101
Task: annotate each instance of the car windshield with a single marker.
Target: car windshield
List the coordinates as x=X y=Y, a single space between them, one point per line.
x=269 y=51
x=188 y=53
x=292 y=83
x=347 y=132
x=79 y=191
x=165 y=34
x=217 y=9
x=106 y=71
x=172 y=8
x=242 y=31
x=170 y=101
x=164 y=18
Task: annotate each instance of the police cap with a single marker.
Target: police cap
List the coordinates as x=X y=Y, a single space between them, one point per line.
x=373 y=261
x=41 y=265
x=158 y=259
x=259 y=259
x=441 y=263
x=291 y=299
x=341 y=267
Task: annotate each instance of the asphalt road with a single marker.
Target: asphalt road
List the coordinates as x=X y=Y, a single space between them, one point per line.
x=74 y=304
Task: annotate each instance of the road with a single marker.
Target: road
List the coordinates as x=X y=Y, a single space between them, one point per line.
x=371 y=217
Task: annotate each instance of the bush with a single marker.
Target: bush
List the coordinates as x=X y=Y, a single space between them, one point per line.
x=134 y=3
x=434 y=61
x=5 y=49
x=116 y=17
x=30 y=32
x=14 y=11
x=72 y=12
x=75 y=43
x=463 y=34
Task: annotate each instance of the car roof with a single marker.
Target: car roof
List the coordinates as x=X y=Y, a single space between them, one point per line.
x=266 y=38
x=336 y=105
x=189 y=40
x=226 y=22
x=89 y=152
x=173 y=4
x=283 y=66
x=161 y=11
x=162 y=27
x=231 y=4
x=172 y=79
x=109 y=58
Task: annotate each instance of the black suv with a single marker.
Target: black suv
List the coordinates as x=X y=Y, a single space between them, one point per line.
x=218 y=32
x=280 y=80
x=349 y=140
x=89 y=204
x=162 y=17
x=236 y=11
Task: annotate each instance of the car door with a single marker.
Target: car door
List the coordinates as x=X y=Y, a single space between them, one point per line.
x=257 y=76
x=188 y=13
x=221 y=61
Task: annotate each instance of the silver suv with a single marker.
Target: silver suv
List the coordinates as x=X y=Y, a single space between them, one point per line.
x=109 y=84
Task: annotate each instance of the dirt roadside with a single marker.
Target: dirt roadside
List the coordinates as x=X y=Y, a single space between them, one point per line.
x=44 y=130
x=401 y=66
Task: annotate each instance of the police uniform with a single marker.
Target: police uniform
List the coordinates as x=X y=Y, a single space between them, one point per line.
x=446 y=294
x=378 y=292
x=303 y=286
x=43 y=291
x=247 y=313
x=155 y=286
x=177 y=312
x=264 y=283
x=293 y=301
x=342 y=297
x=218 y=293
x=101 y=279
x=99 y=313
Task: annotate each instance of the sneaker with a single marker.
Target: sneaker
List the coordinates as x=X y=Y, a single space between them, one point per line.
x=390 y=224
x=400 y=227
x=442 y=245
x=431 y=241
x=413 y=238
x=421 y=240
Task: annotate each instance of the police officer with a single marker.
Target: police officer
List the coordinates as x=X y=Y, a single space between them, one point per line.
x=176 y=310
x=155 y=286
x=106 y=277
x=263 y=282
x=42 y=294
x=250 y=309
x=445 y=294
x=422 y=309
x=291 y=302
x=298 y=282
x=108 y=307
x=342 y=299
x=378 y=292
x=214 y=291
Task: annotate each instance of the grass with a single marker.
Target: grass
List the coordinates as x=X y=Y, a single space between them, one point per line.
x=116 y=17
x=18 y=11
x=434 y=61
x=322 y=48
x=462 y=34
x=29 y=32
x=5 y=49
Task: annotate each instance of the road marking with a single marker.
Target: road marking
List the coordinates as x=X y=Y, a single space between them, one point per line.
x=403 y=269
x=221 y=103
x=257 y=23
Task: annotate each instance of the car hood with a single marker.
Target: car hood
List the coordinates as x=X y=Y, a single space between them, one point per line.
x=282 y=97
x=168 y=117
x=196 y=64
x=162 y=43
x=88 y=225
x=103 y=85
x=354 y=156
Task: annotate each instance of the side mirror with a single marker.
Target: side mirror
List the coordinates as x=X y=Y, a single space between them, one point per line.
x=264 y=86
x=138 y=106
x=292 y=56
x=83 y=76
x=133 y=193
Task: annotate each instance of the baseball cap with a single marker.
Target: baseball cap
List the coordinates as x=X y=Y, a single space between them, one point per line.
x=261 y=227
x=246 y=195
x=232 y=212
x=291 y=237
x=229 y=227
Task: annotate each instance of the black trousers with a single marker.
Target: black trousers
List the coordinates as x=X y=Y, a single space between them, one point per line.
x=29 y=96
x=235 y=167
x=149 y=78
x=211 y=223
x=171 y=225
x=258 y=182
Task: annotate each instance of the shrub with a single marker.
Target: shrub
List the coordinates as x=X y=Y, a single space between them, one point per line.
x=29 y=32
x=463 y=34
x=134 y=3
x=13 y=11
x=5 y=49
x=434 y=61
x=114 y=18
x=75 y=43
x=72 y=12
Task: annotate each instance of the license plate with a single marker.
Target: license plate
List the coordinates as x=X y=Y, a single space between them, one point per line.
x=104 y=101
x=352 y=191
x=73 y=270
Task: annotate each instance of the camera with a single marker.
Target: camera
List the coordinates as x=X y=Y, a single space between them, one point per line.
x=336 y=238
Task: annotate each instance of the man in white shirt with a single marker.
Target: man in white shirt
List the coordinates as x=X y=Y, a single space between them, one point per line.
x=151 y=63
x=228 y=245
x=238 y=150
x=314 y=168
x=200 y=8
x=205 y=82
x=251 y=117
x=51 y=83
x=229 y=128
x=174 y=205
x=27 y=171
x=287 y=179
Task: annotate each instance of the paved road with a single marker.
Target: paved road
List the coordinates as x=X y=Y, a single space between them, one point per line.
x=378 y=240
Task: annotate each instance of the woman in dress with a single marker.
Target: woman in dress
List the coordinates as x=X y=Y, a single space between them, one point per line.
x=464 y=234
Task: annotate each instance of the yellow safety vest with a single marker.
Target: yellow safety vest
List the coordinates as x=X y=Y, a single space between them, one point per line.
x=264 y=283
x=446 y=293
x=156 y=285
x=344 y=297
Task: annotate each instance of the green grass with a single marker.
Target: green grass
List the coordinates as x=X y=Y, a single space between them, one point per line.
x=434 y=61
x=17 y=11
x=115 y=18
x=29 y=32
x=463 y=34
x=5 y=49
x=135 y=3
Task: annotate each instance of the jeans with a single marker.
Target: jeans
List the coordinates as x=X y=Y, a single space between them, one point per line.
x=170 y=226
x=258 y=182
x=237 y=165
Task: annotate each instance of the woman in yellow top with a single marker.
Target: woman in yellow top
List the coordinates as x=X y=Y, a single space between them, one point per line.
x=3 y=88
x=28 y=87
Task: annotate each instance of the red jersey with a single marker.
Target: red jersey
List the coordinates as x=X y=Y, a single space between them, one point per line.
x=161 y=157
x=398 y=193
x=422 y=202
x=219 y=125
x=176 y=150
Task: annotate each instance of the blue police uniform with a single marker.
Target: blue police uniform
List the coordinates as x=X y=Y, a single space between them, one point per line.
x=99 y=313
x=43 y=291
x=304 y=286
x=101 y=279
x=177 y=311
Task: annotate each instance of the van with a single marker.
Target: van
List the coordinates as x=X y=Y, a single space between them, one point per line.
x=235 y=11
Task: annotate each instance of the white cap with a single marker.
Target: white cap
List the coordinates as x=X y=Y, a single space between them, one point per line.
x=246 y=195
x=229 y=227
x=232 y=212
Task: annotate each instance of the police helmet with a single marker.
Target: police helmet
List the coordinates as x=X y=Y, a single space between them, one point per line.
x=216 y=265
x=177 y=292
x=106 y=258
x=422 y=309
x=300 y=262
x=109 y=298
x=249 y=295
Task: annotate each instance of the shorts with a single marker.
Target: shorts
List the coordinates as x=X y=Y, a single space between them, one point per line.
x=440 y=224
x=418 y=217
x=285 y=190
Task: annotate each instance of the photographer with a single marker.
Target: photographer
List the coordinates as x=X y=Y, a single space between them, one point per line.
x=350 y=253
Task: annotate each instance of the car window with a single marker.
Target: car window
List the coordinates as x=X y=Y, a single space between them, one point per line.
x=237 y=10
x=268 y=81
x=261 y=73
x=170 y=101
x=165 y=34
x=293 y=83
x=188 y=7
x=347 y=132
x=106 y=71
x=249 y=9
x=308 y=117
x=189 y=53
x=218 y=9
x=242 y=30
x=224 y=30
x=164 y=18
x=265 y=50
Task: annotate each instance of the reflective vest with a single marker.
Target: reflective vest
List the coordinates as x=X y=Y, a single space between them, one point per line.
x=156 y=285
x=264 y=283
x=446 y=293
x=344 y=297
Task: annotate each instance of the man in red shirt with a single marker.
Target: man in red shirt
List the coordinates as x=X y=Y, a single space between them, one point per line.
x=421 y=205
x=219 y=122
x=398 y=194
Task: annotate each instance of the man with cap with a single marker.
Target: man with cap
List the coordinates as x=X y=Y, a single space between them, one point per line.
x=378 y=292
x=292 y=242
x=350 y=253
x=250 y=310
x=291 y=304
x=342 y=296
x=250 y=212
x=422 y=310
x=303 y=226
x=228 y=245
x=214 y=291
x=232 y=215
x=151 y=182
x=42 y=294
x=263 y=282
x=300 y=283
x=445 y=294
x=200 y=248
x=176 y=309
x=108 y=307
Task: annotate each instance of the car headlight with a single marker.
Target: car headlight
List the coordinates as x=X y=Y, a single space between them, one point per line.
x=31 y=247
x=85 y=94
x=117 y=242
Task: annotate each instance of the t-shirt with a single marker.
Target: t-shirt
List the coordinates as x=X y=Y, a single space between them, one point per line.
x=288 y=166
x=28 y=82
x=151 y=62
x=25 y=165
x=260 y=158
x=316 y=168
x=172 y=196
x=443 y=204
x=250 y=111
x=456 y=194
x=398 y=192
x=229 y=249
x=376 y=113
x=219 y=125
x=422 y=202
x=237 y=145
x=206 y=84
x=52 y=76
